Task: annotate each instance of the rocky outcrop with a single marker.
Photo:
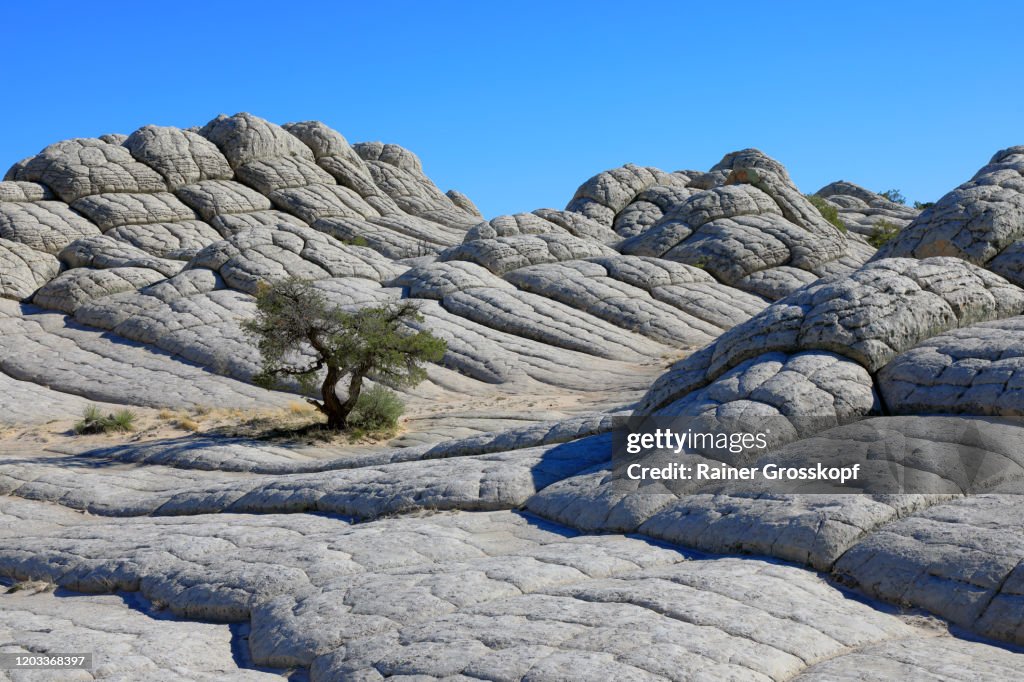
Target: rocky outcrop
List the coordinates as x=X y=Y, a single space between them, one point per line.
x=976 y=370
x=749 y=227
x=861 y=210
x=492 y=539
x=978 y=221
x=879 y=311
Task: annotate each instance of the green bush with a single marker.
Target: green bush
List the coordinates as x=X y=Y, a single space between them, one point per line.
x=894 y=195
x=923 y=205
x=377 y=410
x=882 y=233
x=827 y=210
x=94 y=421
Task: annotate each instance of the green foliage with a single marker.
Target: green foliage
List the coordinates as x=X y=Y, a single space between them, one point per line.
x=827 y=210
x=922 y=205
x=356 y=241
x=894 y=195
x=94 y=421
x=376 y=411
x=301 y=335
x=882 y=233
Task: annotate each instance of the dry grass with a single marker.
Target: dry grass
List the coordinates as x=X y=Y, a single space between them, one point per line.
x=188 y=424
x=301 y=408
x=32 y=587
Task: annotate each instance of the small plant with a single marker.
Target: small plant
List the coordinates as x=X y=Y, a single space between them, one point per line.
x=94 y=421
x=882 y=233
x=355 y=241
x=894 y=195
x=828 y=211
x=922 y=205
x=122 y=420
x=377 y=411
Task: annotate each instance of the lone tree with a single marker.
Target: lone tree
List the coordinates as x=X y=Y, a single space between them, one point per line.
x=299 y=334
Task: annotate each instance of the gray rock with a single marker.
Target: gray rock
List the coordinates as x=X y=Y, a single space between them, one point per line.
x=870 y=316
x=440 y=279
x=312 y=202
x=586 y=286
x=24 y=191
x=652 y=204
x=463 y=202
x=23 y=269
x=264 y=254
x=73 y=288
x=394 y=236
x=977 y=370
x=975 y=221
x=114 y=210
x=175 y=241
x=244 y=138
x=542 y=221
x=287 y=172
x=213 y=198
x=52 y=350
x=937 y=657
x=861 y=209
x=601 y=197
x=504 y=254
x=961 y=561
x=46 y=226
x=128 y=639
x=181 y=157
x=228 y=224
x=104 y=251
x=77 y=168
x=399 y=174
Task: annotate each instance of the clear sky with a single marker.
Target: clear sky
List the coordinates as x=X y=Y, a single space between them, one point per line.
x=516 y=104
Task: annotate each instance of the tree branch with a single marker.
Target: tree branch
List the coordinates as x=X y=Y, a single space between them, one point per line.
x=295 y=372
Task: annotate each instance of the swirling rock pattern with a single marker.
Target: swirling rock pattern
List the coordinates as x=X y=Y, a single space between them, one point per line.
x=489 y=541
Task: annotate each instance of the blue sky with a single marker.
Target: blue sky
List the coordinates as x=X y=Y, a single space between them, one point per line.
x=516 y=104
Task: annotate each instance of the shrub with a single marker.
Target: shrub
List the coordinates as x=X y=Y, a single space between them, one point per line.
x=828 y=211
x=377 y=410
x=922 y=205
x=894 y=195
x=882 y=233
x=94 y=421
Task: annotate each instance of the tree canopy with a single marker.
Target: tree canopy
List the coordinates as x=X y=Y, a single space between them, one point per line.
x=301 y=335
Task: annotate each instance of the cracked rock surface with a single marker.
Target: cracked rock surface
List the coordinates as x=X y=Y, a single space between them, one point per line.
x=491 y=539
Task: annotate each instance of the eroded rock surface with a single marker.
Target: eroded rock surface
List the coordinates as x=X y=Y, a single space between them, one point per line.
x=491 y=539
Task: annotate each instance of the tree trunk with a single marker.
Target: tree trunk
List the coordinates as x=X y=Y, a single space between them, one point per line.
x=333 y=408
x=355 y=385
